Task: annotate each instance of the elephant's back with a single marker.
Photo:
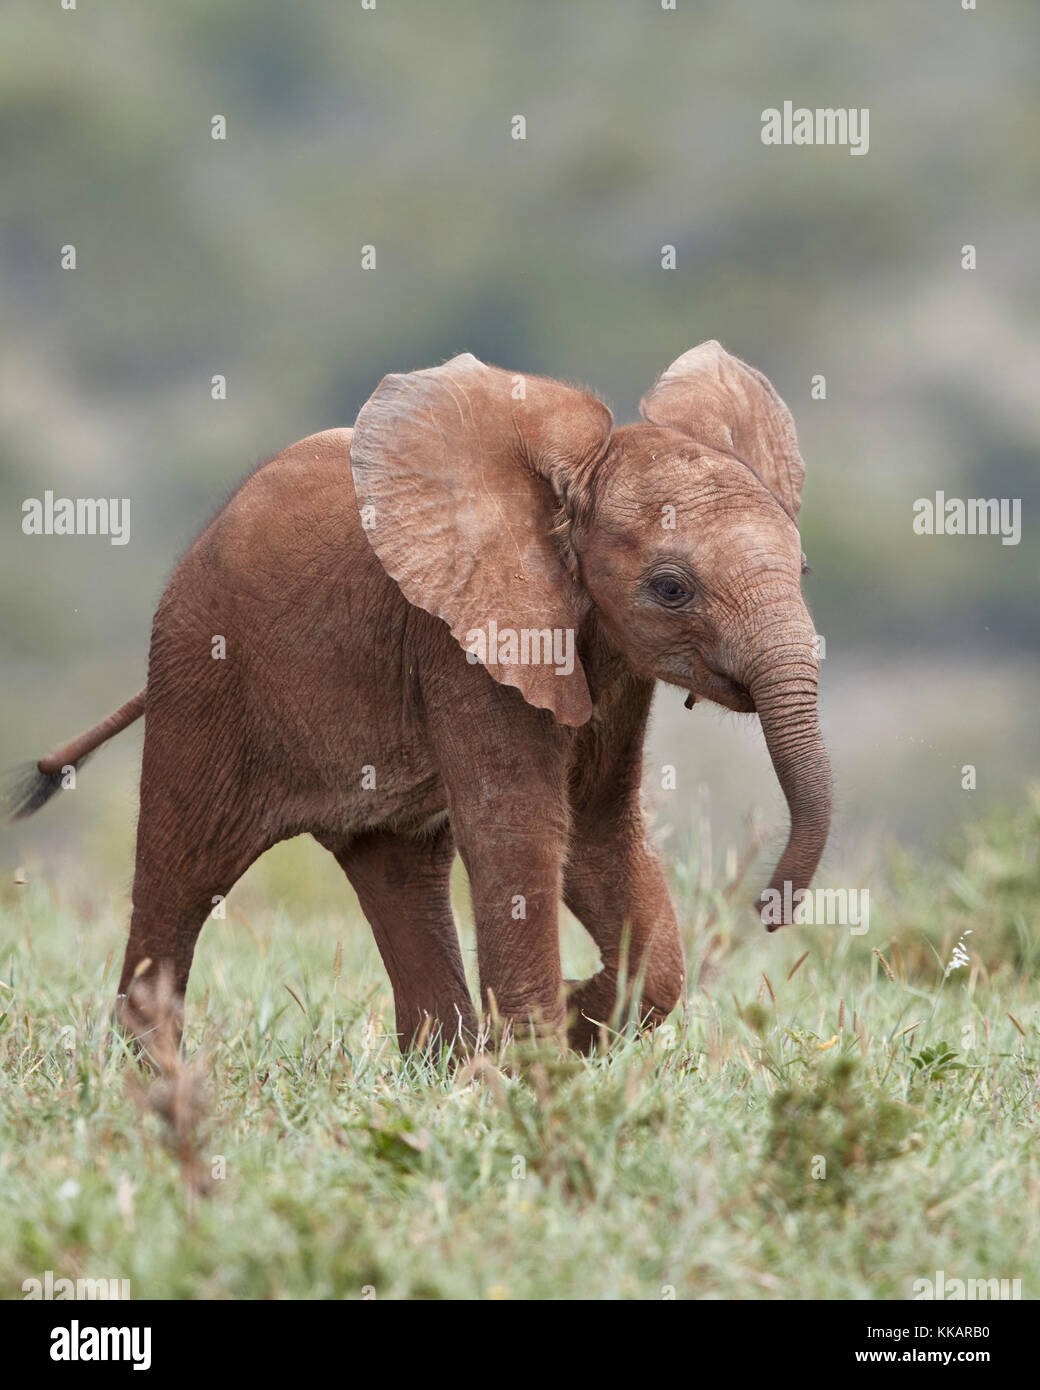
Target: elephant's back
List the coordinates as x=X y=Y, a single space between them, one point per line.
x=284 y=574
x=290 y=510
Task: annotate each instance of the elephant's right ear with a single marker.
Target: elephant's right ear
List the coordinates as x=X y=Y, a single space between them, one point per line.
x=460 y=471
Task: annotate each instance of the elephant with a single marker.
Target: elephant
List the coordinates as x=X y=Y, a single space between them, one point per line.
x=441 y=632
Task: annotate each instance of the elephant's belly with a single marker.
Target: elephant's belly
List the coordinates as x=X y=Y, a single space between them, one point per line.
x=391 y=803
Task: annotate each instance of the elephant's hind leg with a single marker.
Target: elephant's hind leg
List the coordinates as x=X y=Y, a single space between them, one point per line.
x=200 y=828
x=402 y=883
x=175 y=890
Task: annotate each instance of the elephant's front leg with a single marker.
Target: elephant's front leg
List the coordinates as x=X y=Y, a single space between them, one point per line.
x=516 y=878
x=504 y=767
x=615 y=887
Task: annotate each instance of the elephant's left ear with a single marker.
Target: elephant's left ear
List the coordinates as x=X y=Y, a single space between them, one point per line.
x=726 y=405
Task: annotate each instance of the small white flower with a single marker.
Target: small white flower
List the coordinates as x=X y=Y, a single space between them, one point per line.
x=68 y=1190
x=960 y=956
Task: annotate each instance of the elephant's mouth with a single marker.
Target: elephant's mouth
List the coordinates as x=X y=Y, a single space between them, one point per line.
x=723 y=690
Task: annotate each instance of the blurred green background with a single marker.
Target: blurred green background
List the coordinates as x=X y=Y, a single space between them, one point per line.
x=391 y=127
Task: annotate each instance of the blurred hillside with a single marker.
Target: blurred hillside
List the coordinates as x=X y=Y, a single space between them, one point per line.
x=391 y=127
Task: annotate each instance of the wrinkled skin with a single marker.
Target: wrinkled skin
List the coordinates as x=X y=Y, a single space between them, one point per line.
x=346 y=705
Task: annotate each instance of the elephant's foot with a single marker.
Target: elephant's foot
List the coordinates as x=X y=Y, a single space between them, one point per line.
x=596 y=1008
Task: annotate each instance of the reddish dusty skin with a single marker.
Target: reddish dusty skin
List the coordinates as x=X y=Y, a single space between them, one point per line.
x=346 y=707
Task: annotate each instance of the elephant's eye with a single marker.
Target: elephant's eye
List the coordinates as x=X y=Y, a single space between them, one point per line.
x=669 y=591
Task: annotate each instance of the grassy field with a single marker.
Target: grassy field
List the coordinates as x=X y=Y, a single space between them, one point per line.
x=297 y=1155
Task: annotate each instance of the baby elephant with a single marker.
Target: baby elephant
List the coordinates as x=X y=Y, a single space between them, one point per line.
x=441 y=631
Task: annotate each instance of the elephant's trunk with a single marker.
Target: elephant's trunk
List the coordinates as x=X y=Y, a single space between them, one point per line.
x=784 y=688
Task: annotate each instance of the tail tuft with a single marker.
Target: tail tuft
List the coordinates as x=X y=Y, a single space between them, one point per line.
x=24 y=789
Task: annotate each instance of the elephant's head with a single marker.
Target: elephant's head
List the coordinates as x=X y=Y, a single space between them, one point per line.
x=509 y=506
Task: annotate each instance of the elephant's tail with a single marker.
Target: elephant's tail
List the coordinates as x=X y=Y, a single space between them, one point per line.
x=28 y=787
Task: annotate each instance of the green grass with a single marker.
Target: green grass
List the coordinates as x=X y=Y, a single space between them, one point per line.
x=681 y=1162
